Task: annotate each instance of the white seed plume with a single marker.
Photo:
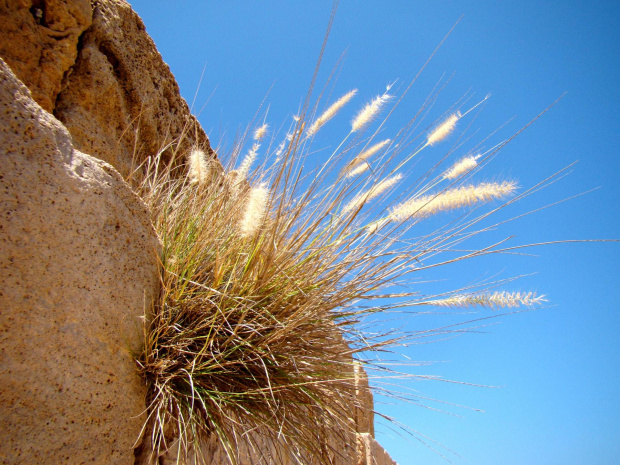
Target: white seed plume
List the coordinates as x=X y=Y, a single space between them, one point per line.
x=254 y=212
x=421 y=207
x=198 y=167
x=358 y=170
x=443 y=130
x=375 y=191
x=465 y=165
x=369 y=112
x=365 y=155
x=493 y=300
x=261 y=132
x=330 y=113
x=247 y=162
x=374 y=227
x=280 y=149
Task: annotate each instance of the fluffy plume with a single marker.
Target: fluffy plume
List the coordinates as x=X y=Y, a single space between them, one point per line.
x=261 y=132
x=247 y=162
x=282 y=146
x=369 y=112
x=198 y=167
x=493 y=300
x=451 y=199
x=254 y=211
x=358 y=170
x=372 y=193
x=461 y=167
x=366 y=154
x=330 y=113
x=443 y=130
x=375 y=226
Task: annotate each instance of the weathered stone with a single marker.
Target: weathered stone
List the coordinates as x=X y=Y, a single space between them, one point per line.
x=121 y=103
x=371 y=452
x=364 y=406
x=78 y=267
x=39 y=41
x=93 y=66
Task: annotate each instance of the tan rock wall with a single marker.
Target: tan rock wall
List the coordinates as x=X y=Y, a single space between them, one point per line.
x=371 y=452
x=77 y=267
x=39 y=41
x=92 y=64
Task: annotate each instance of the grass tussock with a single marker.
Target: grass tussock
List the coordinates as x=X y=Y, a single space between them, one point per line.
x=266 y=273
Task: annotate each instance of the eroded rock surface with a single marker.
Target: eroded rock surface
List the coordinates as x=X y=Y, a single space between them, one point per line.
x=77 y=268
x=93 y=65
x=39 y=41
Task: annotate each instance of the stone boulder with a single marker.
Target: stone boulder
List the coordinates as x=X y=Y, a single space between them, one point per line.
x=93 y=65
x=78 y=268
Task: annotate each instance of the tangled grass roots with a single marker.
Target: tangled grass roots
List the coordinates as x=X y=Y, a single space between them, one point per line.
x=263 y=277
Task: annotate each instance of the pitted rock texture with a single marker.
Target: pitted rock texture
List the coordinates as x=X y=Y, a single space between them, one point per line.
x=39 y=41
x=93 y=65
x=78 y=267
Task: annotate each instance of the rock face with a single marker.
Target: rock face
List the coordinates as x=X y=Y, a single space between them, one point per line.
x=92 y=64
x=77 y=267
x=40 y=42
x=371 y=452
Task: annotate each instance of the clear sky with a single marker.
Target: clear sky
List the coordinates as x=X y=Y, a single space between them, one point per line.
x=558 y=367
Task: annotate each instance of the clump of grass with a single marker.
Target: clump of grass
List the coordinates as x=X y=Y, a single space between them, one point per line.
x=266 y=272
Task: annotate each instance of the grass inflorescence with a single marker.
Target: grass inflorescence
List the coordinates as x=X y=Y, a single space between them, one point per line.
x=267 y=271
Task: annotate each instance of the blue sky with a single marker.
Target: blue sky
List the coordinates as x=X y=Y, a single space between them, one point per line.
x=559 y=367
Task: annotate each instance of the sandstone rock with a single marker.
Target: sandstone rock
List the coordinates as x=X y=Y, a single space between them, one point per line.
x=93 y=66
x=77 y=268
x=371 y=452
x=39 y=41
x=364 y=406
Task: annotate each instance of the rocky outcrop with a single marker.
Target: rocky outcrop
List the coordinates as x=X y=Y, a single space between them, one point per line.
x=371 y=452
x=92 y=64
x=40 y=42
x=77 y=270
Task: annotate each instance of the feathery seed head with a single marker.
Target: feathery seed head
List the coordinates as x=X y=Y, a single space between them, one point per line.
x=247 y=162
x=365 y=155
x=422 y=207
x=376 y=225
x=198 y=167
x=369 y=112
x=261 y=132
x=461 y=167
x=375 y=191
x=361 y=168
x=493 y=300
x=330 y=113
x=443 y=130
x=254 y=211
